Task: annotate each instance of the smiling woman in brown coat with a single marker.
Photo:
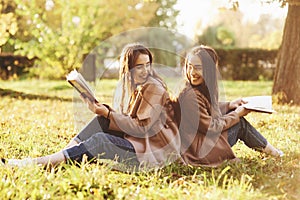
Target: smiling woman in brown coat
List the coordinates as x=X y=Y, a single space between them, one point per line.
x=139 y=131
x=209 y=128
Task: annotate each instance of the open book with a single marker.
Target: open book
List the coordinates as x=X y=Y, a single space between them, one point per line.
x=80 y=84
x=259 y=104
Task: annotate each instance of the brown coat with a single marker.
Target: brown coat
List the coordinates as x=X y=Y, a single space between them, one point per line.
x=203 y=130
x=149 y=125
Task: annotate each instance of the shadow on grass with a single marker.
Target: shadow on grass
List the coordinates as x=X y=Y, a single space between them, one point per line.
x=22 y=95
x=61 y=87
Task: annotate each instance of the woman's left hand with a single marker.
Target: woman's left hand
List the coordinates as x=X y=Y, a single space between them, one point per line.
x=236 y=103
x=97 y=108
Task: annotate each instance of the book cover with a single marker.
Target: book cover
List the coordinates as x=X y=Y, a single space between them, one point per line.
x=259 y=104
x=80 y=84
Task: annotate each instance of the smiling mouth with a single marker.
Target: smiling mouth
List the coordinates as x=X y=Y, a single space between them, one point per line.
x=144 y=76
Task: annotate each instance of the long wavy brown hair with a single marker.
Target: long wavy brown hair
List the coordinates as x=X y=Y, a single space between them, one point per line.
x=126 y=86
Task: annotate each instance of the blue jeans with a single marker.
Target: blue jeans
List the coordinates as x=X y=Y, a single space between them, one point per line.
x=95 y=143
x=245 y=132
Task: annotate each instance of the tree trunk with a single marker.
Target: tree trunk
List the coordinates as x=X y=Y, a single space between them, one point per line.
x=286 y=88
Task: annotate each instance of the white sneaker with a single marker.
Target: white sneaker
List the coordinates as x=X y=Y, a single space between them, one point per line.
x=20 y=163
x=280 y=153
x=273 y=151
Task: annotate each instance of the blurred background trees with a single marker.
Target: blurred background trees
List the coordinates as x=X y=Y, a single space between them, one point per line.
x=267 y=33
x=229 y=30
x=59 y=33
x=8 y=23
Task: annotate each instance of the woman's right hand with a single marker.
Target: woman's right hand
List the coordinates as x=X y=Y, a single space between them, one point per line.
x=236 y=103
x=242 y=111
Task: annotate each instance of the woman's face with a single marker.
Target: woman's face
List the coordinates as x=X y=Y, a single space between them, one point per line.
x=195 y=70
x=141 y=69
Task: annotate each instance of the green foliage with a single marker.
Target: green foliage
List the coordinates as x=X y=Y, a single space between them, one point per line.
x=225 y=36
x=217 y=36
x=37 y=119
x=208 y=37
x=8 y=23
x=165 y=14
x=59 y=34
x=229 y=30
x=247 y=64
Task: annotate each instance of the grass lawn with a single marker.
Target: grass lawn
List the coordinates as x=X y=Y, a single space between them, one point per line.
x=40 y=117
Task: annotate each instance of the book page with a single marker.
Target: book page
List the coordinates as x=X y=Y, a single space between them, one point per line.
x=259 y=103
x=79 y=83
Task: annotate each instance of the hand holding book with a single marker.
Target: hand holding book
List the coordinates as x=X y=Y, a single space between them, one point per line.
x=259 y=104
x=80 y=84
